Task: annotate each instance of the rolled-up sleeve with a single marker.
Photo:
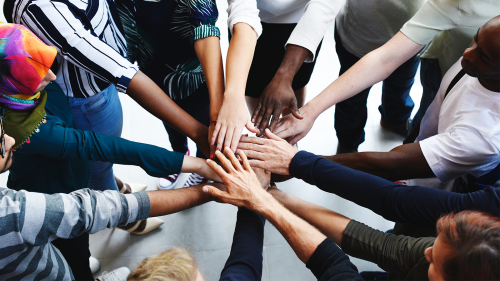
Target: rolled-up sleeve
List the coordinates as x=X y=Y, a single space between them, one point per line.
x=313 y=25
x=243 y=11
x=58 y=25
x=204 y=15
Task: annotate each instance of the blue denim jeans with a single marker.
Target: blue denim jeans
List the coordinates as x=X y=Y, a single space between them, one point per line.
x=103 y=115
x=351 y=114
x=430 y=76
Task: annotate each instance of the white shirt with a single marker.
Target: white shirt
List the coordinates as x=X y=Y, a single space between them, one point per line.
x=313 y=17
x=461 y=135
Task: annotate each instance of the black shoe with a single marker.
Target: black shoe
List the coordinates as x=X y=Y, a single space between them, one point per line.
x=342 y=149
x=400 y=129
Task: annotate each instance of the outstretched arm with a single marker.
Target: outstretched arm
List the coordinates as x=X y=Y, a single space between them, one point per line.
x=233 y=115
x=311 y=246
x=359 y=77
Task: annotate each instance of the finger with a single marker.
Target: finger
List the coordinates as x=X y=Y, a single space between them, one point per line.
x=215 y=192
x=244 y=159
x=253 y=154
x=212 y=151
x=229 y=137
x=295 y=139
x=256 y=111
x=236 y=138
x=225 y=162
x=251 y=127
x=255 y=140
x=220 y=138
x=295 y=110
x=281 y=126
x=214 y=134
x=284 y=134
x=257 y=164
x=251 y=147
x=275 y=119
x=233 y=159
x=217 y=169
x=264 y=122
x=272 y=136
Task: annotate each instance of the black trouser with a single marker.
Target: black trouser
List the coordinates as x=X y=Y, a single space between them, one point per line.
x=198 y=106
x=76 y=252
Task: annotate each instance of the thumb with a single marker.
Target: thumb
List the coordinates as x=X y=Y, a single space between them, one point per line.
x=272 y=136
x=295 y=110
x=250 y=127
x=214 y=191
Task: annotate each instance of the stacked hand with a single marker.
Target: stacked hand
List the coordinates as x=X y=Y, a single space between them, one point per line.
x=243 y=188
x=272 y=154
x=289 y=126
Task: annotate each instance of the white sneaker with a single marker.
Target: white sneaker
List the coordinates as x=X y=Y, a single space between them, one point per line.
x=169 y=182
x=94 y=264
x=143 y=226
x=195 y=179
x=119 y=274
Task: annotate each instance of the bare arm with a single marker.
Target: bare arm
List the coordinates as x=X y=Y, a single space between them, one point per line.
x=209 y=54
x=233 y=115
x=330 y=223
x=359 y=77
x=164 y=202
x=148 y=95
x=403 y=162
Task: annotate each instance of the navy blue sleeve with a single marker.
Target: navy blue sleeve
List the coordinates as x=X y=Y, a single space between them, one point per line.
x=418 y=205
x=328 y=262
x=245 y=259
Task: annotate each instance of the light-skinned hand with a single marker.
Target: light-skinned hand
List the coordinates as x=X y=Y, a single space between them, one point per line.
x=272 y=154
x=291 y=127
x=243 y=188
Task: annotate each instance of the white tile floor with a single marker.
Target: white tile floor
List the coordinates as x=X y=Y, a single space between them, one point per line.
x=208 y=229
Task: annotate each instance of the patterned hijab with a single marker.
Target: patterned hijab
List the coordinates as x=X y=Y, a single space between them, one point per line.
x=24 y=62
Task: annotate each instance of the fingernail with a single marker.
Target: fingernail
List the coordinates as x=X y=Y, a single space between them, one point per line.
x=205 y=189
x=212 y=156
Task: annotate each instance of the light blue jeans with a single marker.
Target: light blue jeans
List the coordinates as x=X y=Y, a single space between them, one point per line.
x=103 y=115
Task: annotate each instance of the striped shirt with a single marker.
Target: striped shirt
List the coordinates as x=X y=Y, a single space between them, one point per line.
x=88 y=36
x=30 y=221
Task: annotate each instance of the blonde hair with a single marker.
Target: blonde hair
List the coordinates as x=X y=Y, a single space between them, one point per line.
x=175 y=264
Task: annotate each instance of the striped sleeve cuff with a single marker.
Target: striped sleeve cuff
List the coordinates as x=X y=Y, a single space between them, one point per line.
x=144 y=205
x=125 y=79
x=204 y=31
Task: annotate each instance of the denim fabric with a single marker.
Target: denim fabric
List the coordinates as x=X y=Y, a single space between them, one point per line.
x=351 y=114
x=103 y=115
x=198 y=106
x=430 y=76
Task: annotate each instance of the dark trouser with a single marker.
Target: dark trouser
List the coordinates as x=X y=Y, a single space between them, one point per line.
x=430 y=77
x=197 y=105
x=351 y=114
x=76 y=252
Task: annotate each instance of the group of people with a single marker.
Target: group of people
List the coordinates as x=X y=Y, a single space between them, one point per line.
x=63 y=63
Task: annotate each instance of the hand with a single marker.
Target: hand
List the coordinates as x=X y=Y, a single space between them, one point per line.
x=272 y=154
x=211 y=129
x=263 y=176
x=201 y=141
x=289 y=126
x=243 y=188
x=233 y=116
x=277 y=96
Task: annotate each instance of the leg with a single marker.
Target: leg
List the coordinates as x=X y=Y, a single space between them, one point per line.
x=198 y=106
x=397 y=104
x=102 y=114
x=351 y=114
x=430 y=76
x=76 y=252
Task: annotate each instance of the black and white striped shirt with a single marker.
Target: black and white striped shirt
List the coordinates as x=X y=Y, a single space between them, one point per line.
x=29 y=221
x=88 y=36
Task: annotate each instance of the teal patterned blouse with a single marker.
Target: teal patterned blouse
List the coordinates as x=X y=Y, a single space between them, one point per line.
x=160 y=35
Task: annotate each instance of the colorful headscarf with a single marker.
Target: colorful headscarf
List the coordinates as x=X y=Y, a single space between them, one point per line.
x=24 y=62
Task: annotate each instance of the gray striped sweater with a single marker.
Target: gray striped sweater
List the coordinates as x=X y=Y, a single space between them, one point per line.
x=29 y=221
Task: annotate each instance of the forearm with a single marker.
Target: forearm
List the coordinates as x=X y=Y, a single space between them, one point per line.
x=362 y=75
x=239 y=59
x=209 y=54
x=164 y=202
x=401 y=163
x=330 y=223
x=302 y=237
x=148 y=95
x=292 y=61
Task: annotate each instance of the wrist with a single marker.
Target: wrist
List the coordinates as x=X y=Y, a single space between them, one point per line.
x=265 y=206
x=284 y=75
